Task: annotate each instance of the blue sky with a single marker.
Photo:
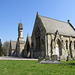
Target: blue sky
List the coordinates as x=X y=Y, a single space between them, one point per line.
x=11 y=11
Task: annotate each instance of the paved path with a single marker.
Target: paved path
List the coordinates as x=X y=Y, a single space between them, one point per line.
x=15 y=58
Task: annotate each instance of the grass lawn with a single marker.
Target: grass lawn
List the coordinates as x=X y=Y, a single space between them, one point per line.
x=24 y=67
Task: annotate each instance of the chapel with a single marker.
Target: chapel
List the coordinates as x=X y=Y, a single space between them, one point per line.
x=50 y=38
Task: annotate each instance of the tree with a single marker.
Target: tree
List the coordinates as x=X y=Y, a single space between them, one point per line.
x=1 y=49
x=6 y=48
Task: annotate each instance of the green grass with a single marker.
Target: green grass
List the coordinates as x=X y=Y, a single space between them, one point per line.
x=24 y=67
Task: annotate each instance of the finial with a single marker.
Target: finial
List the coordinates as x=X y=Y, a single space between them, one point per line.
x=20 y=20
x=56 y=30
x=27 y=34
x=37 y=13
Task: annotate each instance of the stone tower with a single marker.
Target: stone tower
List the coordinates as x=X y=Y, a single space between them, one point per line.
x=20 y=41
x=20 y=32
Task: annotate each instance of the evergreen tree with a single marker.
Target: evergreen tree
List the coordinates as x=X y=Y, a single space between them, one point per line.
x=1 y=49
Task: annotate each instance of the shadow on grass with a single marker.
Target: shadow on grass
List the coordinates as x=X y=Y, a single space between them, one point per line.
x=72 y=64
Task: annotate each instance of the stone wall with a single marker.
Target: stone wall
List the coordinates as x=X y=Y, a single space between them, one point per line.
x=65 y=52
x=48 y=43
x=20 y=48
x=41 y=51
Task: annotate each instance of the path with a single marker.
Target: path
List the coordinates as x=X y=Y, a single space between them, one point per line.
x=15 y=58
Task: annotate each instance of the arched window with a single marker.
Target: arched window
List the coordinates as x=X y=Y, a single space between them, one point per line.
x=70 y=48
x=66 y=44
x=74 y=44
x=37 y=38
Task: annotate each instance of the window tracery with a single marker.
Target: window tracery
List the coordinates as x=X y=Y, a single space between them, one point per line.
x=38 y=38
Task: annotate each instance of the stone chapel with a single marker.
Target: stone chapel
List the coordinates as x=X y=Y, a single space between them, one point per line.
x=50 y=37
x=16 y=47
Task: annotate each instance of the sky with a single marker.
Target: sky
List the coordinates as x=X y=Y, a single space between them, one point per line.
x=12 y=11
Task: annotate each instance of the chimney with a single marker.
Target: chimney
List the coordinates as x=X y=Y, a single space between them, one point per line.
x=68 y=21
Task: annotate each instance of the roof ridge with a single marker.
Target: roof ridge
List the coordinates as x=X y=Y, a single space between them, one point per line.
x=52 y=19
x=72 y=26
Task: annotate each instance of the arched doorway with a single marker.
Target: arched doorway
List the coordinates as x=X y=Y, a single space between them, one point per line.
x=58 y=48
x=71 y=48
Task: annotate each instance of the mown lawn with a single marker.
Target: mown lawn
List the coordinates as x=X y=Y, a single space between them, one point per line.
x=24 y=67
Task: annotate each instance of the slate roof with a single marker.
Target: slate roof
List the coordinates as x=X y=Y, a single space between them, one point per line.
x=51 y=25
x=13 y=44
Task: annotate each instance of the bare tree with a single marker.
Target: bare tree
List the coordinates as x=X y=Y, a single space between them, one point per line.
x=6 y=48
